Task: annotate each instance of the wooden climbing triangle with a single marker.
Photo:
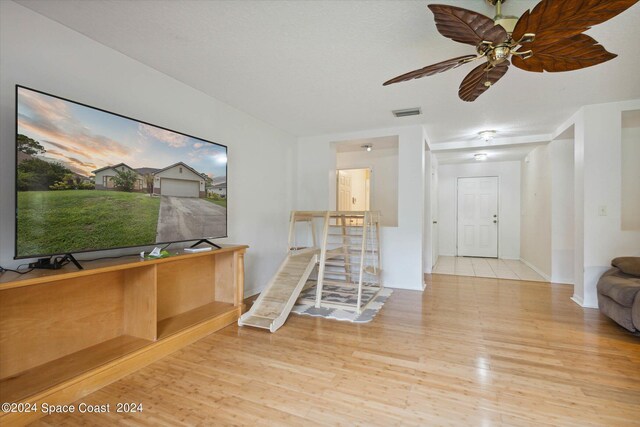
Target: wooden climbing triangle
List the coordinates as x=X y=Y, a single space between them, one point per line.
x=344 y=267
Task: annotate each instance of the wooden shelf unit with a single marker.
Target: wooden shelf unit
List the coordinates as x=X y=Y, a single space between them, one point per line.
x=66 y=333
x=179 y=322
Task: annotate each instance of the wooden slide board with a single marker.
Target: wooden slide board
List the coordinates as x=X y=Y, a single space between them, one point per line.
x=274 y=304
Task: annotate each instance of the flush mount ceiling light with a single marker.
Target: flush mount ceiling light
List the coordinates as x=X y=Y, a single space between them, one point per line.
x=367 y=147
x=487 y=135
x=480 y=156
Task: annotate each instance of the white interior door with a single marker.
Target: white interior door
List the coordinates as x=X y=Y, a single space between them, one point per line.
x=354 y=189
x=434 y=216
x=478 y=216
x=344 y=191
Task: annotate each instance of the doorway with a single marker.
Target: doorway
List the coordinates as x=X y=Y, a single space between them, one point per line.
x=478 y=217
x=354 y=189
x=434 y=214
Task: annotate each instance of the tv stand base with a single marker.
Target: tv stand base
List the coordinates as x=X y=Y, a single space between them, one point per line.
x=55 y=263
x=207 y=242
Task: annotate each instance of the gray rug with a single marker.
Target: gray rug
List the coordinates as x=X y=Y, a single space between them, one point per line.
x=304 y=306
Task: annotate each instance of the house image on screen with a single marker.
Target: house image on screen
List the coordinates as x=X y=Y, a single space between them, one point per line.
x=104 y=177
x=220 y=189
x=179 y=180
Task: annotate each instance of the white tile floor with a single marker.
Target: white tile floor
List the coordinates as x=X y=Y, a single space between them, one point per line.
x=486 y=267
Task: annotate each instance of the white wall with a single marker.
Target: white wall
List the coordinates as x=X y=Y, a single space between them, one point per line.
x=597 y=172
x=562 y=215
x=508 y=174
x=430 y=211
x=384 y=179
x=402 y=246
x=631 y=179
x=578 y=208
x=40 y=53
x=535 y=211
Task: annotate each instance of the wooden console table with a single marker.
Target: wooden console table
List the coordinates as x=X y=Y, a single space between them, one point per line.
x=67 y=333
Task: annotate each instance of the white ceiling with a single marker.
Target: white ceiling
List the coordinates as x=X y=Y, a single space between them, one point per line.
x=494 y=154
x=355 y=145
x=317 y=67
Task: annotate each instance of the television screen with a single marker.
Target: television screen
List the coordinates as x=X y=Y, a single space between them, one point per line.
x=88 y=179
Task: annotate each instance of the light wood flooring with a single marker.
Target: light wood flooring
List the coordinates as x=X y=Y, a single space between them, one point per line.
x=467 y=351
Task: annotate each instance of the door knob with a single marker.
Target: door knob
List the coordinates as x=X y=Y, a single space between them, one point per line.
x=495 y=221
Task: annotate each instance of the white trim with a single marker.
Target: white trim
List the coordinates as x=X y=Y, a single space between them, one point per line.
x=562 y=281
x=536 y=269
x=578 y=300
x=412 y=288
x=496 y=142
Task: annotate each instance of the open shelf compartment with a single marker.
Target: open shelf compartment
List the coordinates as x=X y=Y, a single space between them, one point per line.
x=66 y=333
x=194 y=290
x=35 y=380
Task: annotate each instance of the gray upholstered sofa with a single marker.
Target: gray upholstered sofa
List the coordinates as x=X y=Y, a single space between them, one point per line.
x=619 y=292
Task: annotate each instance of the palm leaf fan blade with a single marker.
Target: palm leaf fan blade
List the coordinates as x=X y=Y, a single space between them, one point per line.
x=466 y=26
x=552 y=21
x=475 y=83
x=579 y=51
x=430 y=70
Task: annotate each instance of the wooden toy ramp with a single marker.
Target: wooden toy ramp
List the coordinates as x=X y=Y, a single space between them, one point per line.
x=274 y=304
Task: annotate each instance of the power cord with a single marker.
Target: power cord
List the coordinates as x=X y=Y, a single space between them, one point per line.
x=17 y=270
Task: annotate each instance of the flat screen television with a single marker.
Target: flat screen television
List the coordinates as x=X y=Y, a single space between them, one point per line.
x=88 y=180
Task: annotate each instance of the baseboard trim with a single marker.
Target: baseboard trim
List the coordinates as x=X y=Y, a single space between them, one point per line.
x=536 y=269
x=578 y=300
x=562 y=281
x=406 y=288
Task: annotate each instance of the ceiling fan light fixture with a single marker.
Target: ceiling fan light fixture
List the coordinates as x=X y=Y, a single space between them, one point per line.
x=480 y=156
x=487 y=135
x=367 y=147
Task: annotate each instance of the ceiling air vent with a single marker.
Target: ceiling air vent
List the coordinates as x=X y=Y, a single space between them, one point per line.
x=407 y=112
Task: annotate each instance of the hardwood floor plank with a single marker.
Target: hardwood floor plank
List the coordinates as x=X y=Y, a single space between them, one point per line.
x=467 y=351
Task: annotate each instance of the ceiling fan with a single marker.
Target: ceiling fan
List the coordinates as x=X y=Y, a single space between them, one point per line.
x=548 y=38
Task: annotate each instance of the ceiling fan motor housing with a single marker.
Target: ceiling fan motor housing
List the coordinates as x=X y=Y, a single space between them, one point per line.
x=499 y=54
